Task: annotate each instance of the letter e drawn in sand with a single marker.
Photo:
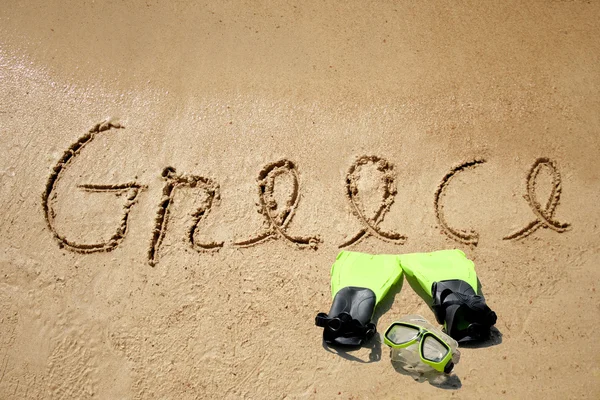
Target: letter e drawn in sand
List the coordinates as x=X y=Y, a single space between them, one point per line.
x=278 y=217
x=468 y=237
x=132 y=189
x=544 y=215
x=173 y=181
x=371 y=224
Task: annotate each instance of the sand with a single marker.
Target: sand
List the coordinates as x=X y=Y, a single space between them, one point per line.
x=177 y=178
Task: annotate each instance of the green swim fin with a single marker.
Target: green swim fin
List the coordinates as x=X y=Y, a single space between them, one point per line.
x=359 y=282
x=447 y=280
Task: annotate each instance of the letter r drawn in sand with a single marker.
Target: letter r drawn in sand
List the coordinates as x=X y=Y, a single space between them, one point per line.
x=173 y=181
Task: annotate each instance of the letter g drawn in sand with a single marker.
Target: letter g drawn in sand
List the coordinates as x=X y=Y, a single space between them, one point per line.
x=132 y=189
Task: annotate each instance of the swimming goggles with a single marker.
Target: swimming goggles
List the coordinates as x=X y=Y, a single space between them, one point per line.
x=433 y=351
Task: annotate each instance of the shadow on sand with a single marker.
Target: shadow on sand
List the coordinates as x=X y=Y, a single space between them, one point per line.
x=346 y=352
x=437 y=379
x=494 y=340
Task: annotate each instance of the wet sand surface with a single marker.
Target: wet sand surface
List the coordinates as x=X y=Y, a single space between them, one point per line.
x=173 y=192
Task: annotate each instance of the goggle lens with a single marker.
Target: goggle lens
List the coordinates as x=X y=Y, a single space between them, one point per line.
x=433 y=349
x=400 y=334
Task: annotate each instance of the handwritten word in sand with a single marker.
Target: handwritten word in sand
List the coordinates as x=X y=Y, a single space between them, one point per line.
x=173 y=181
x=277 y=217
x=277 y=220
x=544 y=214
x=460 y=235
x=132 y=189
x=371 y=228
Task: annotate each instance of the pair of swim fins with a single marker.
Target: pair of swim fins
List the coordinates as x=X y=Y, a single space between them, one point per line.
x=445 y=279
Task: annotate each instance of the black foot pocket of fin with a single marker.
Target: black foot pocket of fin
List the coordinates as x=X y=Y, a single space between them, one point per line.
x=465 y=314
x=349 y=320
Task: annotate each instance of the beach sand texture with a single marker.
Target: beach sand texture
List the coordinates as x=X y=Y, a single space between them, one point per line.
x=174 y=189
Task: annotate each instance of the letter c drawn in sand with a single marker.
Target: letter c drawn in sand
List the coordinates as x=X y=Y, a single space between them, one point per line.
x=132 y=189
x=371 y=224
x=276 y=220
x=173 y=181
x=468 y=237
x=544 y=215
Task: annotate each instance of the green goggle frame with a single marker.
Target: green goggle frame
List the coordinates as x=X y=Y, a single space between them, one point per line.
x=438 y=353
